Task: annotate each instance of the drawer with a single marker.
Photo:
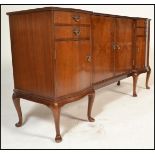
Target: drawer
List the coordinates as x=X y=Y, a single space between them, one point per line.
x=63 y=17
x=141 y=23
x=72 y=32
x=141 y=31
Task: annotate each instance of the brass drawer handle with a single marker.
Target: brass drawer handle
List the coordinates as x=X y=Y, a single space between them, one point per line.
x=88 y=58
x=76 y=31
x=76 y=18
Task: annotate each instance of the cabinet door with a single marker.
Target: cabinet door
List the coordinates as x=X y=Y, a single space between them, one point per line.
x=123 y=40
x=73 y=70
x=140 y=52
x=103 y=55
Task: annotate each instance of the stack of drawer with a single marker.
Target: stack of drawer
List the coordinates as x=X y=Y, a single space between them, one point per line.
x=71 y=25
x=72 y=33
x=141 y=43
x=141 y=28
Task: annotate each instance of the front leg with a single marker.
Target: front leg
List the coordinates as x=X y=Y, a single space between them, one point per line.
x=16 y=102
x=147 y=78
x=56 y=114
x=135 y=78
x=90 y=105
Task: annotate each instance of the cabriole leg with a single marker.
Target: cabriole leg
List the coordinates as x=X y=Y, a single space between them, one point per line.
x=56 y=114
x=147 y=78
x=16 y=102
x=135 y=78
x=90 y=105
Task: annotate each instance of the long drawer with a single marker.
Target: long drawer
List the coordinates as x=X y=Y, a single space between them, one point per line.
x=141 y=31
x=64 y=17
x=141 y=23
x=72 y=32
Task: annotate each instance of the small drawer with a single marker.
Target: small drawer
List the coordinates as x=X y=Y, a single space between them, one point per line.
x=71 y=32
x=141 y=31
x=63 y=17
x=141 y=23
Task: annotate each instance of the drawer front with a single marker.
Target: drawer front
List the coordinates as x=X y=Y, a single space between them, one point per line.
x=63 y=17
x=71 y=32
x=141 y=31
x=141 y=23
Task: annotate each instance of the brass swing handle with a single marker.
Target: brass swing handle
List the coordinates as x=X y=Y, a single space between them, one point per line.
x=76 y=31
x=116 y=46
x=88 y=58
x=76 y=18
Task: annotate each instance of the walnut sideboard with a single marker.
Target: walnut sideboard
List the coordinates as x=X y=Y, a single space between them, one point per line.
x=60 y=55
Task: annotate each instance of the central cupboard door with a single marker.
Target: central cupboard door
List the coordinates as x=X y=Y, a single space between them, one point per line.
x=103 y=54
x=123 y=42
x=73 y=66
x=112 y=46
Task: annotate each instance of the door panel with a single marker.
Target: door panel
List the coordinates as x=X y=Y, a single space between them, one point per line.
x=73 y=71
x=103 y=56
x=123 y=40
x=140 y=52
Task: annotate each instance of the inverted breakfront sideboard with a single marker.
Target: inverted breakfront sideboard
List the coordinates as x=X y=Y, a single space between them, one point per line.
x=60 y=55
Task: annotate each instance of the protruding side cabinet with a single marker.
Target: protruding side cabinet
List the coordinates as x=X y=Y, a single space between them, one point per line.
x=61 y=55
x=52 y=59
x=141 y=51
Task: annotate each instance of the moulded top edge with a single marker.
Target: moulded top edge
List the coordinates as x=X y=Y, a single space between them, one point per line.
x=118 y=16
x=47 y=9
x=67 y=9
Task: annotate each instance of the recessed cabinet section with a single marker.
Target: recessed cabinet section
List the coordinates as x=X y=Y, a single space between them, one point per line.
x=73 y=66
x=112 y=46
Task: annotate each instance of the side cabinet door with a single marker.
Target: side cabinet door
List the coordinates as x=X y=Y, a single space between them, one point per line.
x=124 y=45
x=73 y=69
x=103 y=55
x=141 y=52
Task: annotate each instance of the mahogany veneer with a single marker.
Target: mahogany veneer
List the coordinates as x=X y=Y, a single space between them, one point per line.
x=61 y=55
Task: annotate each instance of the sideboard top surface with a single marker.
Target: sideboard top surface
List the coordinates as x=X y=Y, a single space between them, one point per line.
x=66 y=9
